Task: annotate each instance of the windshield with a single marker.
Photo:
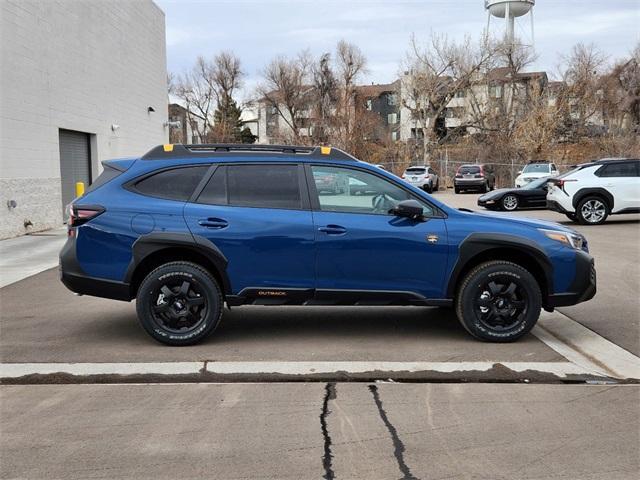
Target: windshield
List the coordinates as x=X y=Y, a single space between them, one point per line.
x=535 y=184
x=536 y=168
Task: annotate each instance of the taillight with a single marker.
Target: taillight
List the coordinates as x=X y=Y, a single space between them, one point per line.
x=479 y=175
x=562 y=181
x=79 y=214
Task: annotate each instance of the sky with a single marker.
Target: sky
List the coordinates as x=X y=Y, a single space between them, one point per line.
x=257 y=31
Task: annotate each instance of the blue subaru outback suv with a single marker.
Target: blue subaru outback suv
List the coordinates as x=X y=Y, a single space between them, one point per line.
x=187 y=228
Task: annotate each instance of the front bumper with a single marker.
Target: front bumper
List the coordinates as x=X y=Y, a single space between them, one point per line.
x=74 y=278
x=487 y=203
x=582 y=288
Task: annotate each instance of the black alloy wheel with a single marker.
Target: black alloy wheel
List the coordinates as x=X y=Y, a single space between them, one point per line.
x=179 y=303
x=498 y=301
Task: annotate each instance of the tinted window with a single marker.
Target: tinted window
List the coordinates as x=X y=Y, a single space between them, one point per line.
x=623 y=169
x=354 y=191
x=175 y=184
x=107 y=175
x=215 y=192
x=418 y=170
x=265 y=186
x=536 y=168
x=469 y=169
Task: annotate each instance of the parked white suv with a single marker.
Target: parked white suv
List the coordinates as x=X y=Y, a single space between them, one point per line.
x=535 y=170
x=590 y=192
x=422 y=176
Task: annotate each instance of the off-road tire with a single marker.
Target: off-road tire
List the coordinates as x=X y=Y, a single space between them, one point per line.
x=199 y=280
x=498 y=271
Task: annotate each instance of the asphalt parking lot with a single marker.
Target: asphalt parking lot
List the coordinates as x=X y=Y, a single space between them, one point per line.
x=302 y=422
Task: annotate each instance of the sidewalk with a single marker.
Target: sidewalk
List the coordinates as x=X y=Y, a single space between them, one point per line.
x=28 y=255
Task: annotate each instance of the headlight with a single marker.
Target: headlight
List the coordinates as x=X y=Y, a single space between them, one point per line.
x=569 y=239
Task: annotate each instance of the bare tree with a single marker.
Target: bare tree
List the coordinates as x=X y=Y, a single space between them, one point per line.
x=351 y=65
x=287 y=89
x=581 y=95
x=226 y=78
x=325 y=98
x=434 y=75
x=207 y=88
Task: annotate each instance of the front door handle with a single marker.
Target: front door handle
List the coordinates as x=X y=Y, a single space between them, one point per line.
x=333 y=230
x=214 y=223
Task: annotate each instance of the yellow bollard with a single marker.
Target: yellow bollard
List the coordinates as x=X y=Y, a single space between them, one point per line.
x=79 y=189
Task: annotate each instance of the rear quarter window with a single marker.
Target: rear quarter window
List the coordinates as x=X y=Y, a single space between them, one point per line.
x=108 y=174
x=174 y=184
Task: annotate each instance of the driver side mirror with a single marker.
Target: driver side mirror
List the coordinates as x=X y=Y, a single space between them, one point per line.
x=410 y=209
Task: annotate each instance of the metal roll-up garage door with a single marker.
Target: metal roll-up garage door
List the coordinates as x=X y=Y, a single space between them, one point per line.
x=75 y=163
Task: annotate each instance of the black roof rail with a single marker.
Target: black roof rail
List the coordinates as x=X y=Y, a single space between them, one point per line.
x=174 y=150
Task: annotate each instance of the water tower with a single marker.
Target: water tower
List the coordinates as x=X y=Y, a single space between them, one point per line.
x=509 y=10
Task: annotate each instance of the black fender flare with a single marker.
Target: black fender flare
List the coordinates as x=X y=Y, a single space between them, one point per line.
x=150 y=243
x=599 y=191
x=477 y=243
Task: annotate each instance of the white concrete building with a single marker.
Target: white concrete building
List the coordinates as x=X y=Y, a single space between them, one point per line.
x=80 y=82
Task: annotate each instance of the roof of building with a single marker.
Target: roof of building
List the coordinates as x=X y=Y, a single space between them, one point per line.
x=504 y=74
x=377 y=89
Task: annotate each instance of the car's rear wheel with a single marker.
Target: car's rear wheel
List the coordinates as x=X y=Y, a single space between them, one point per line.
x=456 y=189
x=510 y=202
x=428 y=188
x=179 y=303
x=498 y=301
x=485 y=187
x=592 y=211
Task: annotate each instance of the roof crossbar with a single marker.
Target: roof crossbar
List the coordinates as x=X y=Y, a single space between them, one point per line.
x=208 y=149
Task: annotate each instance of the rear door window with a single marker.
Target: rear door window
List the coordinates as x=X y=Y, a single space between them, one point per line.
x=264 y=186
x=174 y=184
x=622 y=169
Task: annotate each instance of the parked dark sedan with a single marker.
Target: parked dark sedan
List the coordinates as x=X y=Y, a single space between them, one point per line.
x=532 y=195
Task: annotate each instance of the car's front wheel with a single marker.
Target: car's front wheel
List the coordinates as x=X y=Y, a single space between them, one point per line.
x=179 y=303
x=498 y=301
x=592 y=211
x=510 y=202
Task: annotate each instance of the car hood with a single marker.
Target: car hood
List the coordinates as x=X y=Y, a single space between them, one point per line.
x=534 y=175
x=529 y=222
x=495 y=194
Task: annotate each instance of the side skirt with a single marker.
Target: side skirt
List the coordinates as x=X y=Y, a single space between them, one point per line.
x=310 y=296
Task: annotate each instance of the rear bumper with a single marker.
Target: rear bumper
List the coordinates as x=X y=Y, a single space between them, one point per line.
x=555 y=206
x=582 y=288
x=469 y=183
x=74 y=278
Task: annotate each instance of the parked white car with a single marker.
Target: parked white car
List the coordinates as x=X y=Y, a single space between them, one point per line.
x=422 y=176
x=534 y=171
x=591 y=192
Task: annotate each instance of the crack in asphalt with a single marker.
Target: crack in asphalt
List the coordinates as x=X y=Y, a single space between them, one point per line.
x=398 y=446
x=329 y=394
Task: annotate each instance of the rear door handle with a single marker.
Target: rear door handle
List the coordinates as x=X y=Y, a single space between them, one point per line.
x=333 y=230
x=214 y=223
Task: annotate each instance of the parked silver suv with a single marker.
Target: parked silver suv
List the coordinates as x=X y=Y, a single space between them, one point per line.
x=422 y=176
